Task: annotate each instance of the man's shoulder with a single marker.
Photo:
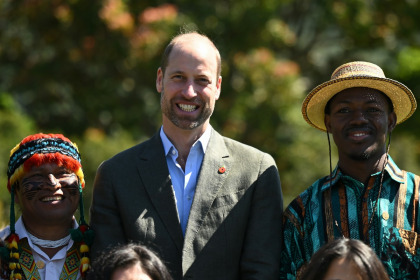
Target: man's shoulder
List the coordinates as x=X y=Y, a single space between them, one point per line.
x=236 y=146
x=413 y=178
x=303 y=211
x=411 y=174
x=312 y=194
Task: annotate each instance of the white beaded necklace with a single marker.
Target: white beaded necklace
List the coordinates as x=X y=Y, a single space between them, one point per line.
x=49 y=243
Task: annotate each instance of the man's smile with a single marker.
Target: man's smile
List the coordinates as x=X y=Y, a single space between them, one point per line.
x=52 y=198
x=187 y=107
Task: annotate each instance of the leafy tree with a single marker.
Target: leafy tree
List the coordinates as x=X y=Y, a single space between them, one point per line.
x=87 y=69
x=13 y=125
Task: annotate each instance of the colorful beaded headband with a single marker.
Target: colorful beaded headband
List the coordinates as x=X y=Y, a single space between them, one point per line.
x=42 y=144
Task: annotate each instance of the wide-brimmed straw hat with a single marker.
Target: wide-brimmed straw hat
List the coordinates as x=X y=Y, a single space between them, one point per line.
x=357 y=74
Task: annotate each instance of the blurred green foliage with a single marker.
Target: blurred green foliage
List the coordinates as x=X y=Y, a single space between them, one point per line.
x=87 y=69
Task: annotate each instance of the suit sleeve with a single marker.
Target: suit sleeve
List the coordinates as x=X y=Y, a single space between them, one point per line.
x=104 y=215
x=262 y=245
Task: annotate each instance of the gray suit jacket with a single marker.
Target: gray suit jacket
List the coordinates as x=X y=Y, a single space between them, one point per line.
x=234 y=227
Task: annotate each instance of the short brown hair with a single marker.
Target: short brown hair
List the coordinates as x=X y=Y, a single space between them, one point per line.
x=178 y=38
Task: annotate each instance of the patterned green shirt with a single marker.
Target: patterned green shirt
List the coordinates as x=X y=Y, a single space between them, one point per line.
x=339 y=206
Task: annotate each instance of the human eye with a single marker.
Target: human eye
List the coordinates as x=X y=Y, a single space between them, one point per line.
x=32 y=183
x=204 y=81
x=35 y=178
x=177 y=77
x=374 y=109
x=69 y=181
x=343 y=110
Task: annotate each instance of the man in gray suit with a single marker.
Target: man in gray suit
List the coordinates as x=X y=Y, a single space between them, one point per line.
x=210 y=206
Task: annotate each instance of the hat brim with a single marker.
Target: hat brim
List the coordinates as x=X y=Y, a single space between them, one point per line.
x=314 y=104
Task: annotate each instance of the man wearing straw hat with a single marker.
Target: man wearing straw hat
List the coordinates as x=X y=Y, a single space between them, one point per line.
x=45 y=178
x=366 y=196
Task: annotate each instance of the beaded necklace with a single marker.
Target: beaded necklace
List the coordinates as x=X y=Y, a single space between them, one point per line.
x=49 y=243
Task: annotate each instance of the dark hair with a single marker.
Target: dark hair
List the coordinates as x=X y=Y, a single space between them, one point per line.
x=353 y=250
x=165 y=57
x=327 y=109
x=124 y=256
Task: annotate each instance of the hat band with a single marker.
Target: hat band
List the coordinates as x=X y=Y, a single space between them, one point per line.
x=41 y=146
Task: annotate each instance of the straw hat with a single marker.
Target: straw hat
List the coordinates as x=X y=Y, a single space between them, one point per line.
x=357 y=74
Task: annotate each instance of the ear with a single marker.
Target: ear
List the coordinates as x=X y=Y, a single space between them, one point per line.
x=218 y=87
x=392 y=121
x=159 y=80
x=327 y=122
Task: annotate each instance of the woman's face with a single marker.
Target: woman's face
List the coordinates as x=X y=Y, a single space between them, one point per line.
x=133 y=272
x=342 y=269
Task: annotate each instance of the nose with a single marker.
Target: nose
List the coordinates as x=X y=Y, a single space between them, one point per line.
x=52 y=181
x=359 y=116
x=189 y=91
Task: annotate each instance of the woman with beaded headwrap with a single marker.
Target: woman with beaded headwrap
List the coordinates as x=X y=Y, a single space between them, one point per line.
x=45 y=178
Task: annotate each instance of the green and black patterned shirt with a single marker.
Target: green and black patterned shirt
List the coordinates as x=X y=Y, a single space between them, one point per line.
x=339 y=206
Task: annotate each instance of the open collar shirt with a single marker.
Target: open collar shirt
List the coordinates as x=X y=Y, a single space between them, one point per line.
x=48 y=268
x=340 y=206
x=184 y=182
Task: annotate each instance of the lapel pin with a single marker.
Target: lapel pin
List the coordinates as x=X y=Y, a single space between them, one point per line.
x=222 y=170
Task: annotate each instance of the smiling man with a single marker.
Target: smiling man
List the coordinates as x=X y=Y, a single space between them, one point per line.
x=45 y=178
x=366 y=197
x=210 y=206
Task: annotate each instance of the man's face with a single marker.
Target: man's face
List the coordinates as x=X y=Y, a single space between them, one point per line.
x=359 y=120
x=48 y=194
x=189 y=87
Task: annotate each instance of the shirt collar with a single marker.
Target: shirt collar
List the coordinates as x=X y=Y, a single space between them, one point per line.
x=22 y=233
x=391 y=169
x=203 y=140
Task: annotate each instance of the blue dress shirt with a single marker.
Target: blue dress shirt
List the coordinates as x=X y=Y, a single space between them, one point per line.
x=184 y=183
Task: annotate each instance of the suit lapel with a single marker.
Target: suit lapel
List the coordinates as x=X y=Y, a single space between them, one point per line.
x=209 y=182
x=154 y=172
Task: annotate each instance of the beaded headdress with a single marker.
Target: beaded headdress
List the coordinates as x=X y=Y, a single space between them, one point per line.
x=36 y=150
x=357 y=74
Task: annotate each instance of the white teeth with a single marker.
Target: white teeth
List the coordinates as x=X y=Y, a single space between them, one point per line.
x=52 y=198
x=359 y=134
x=187 y=108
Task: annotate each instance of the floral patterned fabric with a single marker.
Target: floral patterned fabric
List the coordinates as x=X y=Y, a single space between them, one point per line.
x=338 y=205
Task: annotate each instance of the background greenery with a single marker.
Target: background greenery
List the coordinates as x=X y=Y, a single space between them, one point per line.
x=87 y=69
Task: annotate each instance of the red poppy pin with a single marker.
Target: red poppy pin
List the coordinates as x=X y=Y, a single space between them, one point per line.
x=222 y=170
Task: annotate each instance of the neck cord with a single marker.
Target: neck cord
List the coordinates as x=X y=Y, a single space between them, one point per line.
x=381 y=181
x=329 y=153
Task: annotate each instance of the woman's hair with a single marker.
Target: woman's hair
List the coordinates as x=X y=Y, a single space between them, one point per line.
x=352 y=250
x=124 y=256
